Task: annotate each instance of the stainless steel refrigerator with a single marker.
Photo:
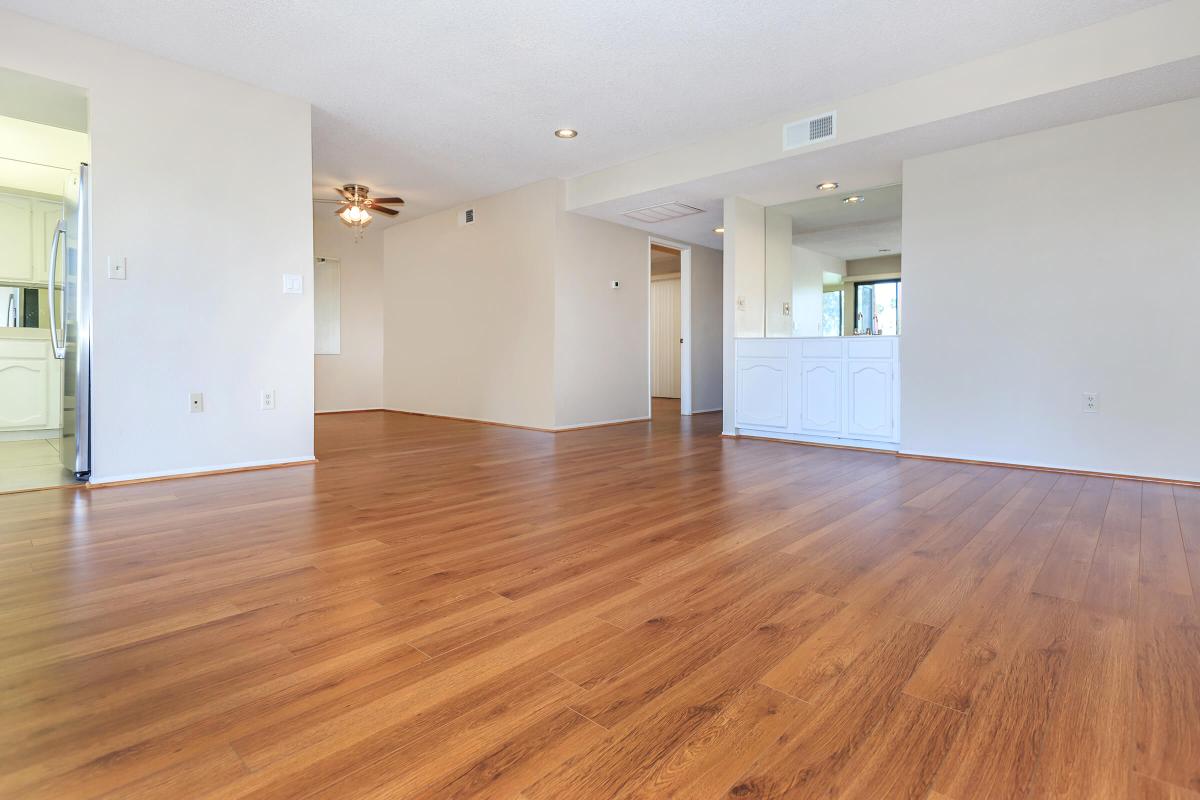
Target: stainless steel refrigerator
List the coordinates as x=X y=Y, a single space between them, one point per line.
x=72 y=335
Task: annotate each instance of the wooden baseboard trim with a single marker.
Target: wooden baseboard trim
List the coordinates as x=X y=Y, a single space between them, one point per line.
x=204 y=473
x=565 y=429
x=707 y=411
x=832 y=446
x=1059 y=470
x=1002 y=464
x=350 y=411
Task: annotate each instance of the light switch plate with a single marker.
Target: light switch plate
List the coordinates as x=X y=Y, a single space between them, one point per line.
x=196 y=402
x=116 y=267
x=292 y=283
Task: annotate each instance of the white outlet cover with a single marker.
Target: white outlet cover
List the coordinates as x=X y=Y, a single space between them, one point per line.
x=116 y=268
x=266 y=400
x=1091 y=403
x=293 y=283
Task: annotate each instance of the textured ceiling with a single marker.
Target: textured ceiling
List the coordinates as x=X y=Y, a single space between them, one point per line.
x=445 y=102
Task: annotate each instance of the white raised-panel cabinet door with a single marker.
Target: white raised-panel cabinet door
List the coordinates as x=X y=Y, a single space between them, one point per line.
x=24 y=393
x=869 y=412
x=762 y=392
x=16 y=253
x=821 y=384
x=46 y=214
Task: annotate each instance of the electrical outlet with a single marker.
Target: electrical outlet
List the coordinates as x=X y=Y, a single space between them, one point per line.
x=266 y=400
x=787 y=309
x=196 y=401
x=1091 y=403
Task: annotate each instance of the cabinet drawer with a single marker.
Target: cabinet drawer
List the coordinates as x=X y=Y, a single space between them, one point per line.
x=762 y=348
x=869 y=347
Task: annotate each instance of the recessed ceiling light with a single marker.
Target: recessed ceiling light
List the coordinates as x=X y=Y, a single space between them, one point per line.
x=854 y=199
x=566 y=133
x=718 y=230
x=885 y=251
x=827 y=186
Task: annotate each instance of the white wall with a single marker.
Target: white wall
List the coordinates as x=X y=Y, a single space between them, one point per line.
x=202 y=308
x=352 y=379
x=469 y=311
x=745 y=240
x=808 y=287
x=1074 y=249
x=601 y=334
x=513 y=319
x=706 y=292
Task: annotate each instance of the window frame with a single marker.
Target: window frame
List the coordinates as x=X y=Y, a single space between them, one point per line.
x=899 y=301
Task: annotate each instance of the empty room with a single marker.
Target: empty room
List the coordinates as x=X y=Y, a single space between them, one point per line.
x=550 y=401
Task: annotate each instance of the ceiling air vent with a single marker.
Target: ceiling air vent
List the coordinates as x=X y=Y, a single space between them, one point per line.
x=466 y=216
x=810 y=131
x=661 y=213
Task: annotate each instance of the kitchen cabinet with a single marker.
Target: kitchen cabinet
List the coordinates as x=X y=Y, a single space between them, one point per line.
x=829 y=390
x=16 y=239
x=30 y=381
x=26 y=224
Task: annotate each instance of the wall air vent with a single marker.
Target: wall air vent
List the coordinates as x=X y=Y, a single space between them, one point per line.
x=810 y=131
x=662 y=213
x=466 y=216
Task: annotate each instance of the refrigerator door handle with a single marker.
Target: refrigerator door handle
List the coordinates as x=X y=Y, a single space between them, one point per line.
x=60 y=350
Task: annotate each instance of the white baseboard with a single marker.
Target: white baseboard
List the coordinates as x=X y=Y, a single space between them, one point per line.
x=829 y=441
x=605 y=423
x=549 y=429
x=208 y=470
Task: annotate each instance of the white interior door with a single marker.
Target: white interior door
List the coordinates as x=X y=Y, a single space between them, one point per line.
x=665 y=330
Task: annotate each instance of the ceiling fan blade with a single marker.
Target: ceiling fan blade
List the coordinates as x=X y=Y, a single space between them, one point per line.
x=389 y=211
x=341 y=192
x=392 y=201
x=323 y=200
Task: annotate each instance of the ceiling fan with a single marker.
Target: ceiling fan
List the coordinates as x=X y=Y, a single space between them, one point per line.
x=356 y=206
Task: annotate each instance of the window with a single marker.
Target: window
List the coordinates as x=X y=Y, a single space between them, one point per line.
x=877 y=307
x=831 y=313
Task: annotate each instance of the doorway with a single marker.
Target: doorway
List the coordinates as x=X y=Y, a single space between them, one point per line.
x=43 y=398
x=670 y=367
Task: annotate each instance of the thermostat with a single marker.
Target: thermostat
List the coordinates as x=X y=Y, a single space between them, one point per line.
x=616 y=284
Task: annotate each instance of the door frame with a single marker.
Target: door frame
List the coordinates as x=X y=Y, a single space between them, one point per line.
x=685 y=324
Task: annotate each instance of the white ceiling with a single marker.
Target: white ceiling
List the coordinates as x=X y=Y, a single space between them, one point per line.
x=878 y=161
x=444 y=102
x=848 y=231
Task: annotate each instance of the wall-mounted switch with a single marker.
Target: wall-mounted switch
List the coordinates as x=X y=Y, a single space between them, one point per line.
x=616 y=284
x=741 y=304
x=1091 y=403
x=196 y=401
x=787 y=309
x=266 y=400
x=293 y=284
x=116 y=267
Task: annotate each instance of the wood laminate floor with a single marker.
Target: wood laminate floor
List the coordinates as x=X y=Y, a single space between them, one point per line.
x=443 y=609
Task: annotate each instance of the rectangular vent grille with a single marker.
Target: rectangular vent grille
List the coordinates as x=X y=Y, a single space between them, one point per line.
x=466 y=217
x=810 y=131
x=661 y=213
